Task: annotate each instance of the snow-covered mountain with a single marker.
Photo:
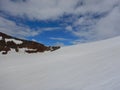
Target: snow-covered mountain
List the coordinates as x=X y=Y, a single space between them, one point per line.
x=8 y=43
x=90 y=66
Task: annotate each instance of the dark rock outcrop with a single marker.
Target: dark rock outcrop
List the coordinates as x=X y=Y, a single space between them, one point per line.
x=8 y=42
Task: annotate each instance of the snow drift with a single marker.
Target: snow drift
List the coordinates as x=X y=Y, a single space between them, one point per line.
x=92 y=66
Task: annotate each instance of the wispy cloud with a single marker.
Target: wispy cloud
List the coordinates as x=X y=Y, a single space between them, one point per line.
x=38 y=9
x=97 y=28
x=89 y=19
x=50 y=28
x=59 y=44
x=96 y=22
x=59 y=39
x=10 y=27
x=45 y=9
x=109 y=26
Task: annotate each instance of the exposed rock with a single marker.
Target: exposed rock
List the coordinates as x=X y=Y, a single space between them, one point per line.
x=8 y=42
x=53 y=48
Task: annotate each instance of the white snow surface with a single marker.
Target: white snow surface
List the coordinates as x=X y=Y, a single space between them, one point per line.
x=91 y=66
x=15 y=41
x=0 y=38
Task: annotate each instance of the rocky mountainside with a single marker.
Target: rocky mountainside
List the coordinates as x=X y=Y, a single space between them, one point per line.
x=7 y=43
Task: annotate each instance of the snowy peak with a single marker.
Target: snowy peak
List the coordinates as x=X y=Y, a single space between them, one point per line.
x=7 y=43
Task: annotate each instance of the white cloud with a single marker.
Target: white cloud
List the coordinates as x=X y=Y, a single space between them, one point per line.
x=50 y=28
x=11 y=28
x=109 y=26
x=59 y=39
x=69 y=28
x=96 y=6
x=34 y=40
x=59 y=44
x=79 y=41
x=105 y=26
x=87 y=26
x=53 y=9
x=38 y=9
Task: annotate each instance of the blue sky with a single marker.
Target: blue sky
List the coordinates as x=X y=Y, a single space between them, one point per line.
x=55 y=22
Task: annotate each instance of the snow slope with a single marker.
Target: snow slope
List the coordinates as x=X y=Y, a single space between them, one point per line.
x=0 y=38
x=92 y=66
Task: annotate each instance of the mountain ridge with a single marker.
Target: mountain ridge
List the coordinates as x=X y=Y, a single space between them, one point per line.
x=7 y=43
